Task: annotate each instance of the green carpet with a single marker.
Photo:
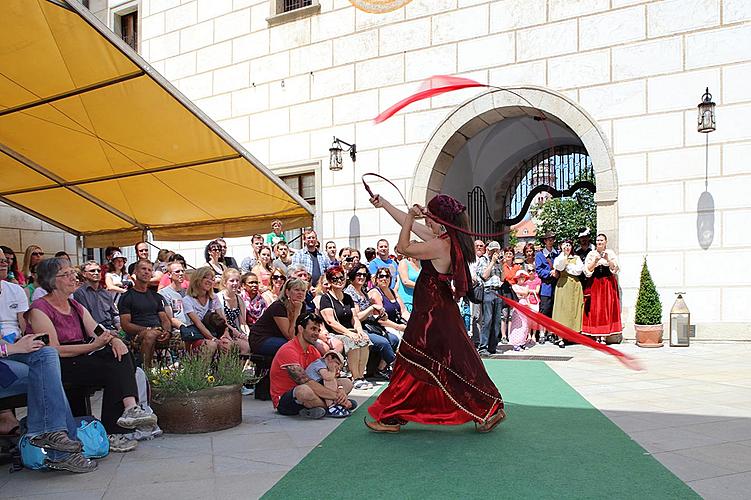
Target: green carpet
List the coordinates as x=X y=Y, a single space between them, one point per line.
x=553 y=444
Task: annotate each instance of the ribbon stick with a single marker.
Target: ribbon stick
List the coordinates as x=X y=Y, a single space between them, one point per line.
x=567 y=333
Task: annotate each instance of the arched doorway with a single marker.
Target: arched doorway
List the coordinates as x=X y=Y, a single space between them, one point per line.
x=508 y=131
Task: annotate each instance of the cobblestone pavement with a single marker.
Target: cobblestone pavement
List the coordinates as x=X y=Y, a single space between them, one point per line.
x=690 y=408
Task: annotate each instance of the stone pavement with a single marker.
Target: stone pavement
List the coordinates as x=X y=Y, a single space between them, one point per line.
x=690 y=408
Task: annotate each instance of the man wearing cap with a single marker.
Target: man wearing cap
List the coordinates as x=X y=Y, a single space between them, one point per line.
x=548 y=275
x=293 y=392
x=490 y=272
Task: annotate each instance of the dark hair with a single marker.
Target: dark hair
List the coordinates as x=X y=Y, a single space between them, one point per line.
x=527 y=247
x=341 y=250
x=508 y=249
x=603 y=235
x=331 y=271
x=206 y=253
x=176 y=257
x=459 y=219
x=47 y=270
x=62 y=254
x=353 y=273
x=388 y=270
x=382 y=239
x=14 y=267
x=569 y=241
x=135 y=247
x=304 y=319
x=370 y=253
x=109 y=251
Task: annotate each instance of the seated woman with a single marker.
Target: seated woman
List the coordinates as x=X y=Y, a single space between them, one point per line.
x=233 y=310
x=277 y=323
x=254 y=302
x=278 y=277
x=29 y=367
x=263 y=268
x=383 y=295
x=385 y=343
x=198 y=301
x=327 y=341
x=341 y=315
x=85 y=358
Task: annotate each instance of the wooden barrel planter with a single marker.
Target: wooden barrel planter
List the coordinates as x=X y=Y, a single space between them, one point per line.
x=207 y=410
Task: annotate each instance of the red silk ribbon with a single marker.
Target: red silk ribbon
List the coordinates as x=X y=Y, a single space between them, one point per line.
x=435 y=85
x=567 y=333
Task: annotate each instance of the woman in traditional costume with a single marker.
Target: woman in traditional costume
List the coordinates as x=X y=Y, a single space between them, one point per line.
x=568 y=306
x=438 y=377
x=602 y=312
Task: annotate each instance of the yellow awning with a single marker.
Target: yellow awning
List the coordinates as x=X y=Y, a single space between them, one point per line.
x=94 y=141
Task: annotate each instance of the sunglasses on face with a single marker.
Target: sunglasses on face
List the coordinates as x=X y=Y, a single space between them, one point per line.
x=361 y=275
x=251 y=283
x=97 y=270
x=337 y=279
x=215 y=249
x=380 y=276
x=37 y=254
x=278 y=277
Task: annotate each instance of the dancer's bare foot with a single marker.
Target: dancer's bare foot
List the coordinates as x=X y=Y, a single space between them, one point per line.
x=377 y=426
x=492 y=422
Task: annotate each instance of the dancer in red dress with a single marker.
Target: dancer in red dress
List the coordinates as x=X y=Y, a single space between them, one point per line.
x=438 y=377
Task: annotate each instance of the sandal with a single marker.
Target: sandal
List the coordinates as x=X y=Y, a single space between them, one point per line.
x=337 y=411
x=377 y=426
x=492 y=422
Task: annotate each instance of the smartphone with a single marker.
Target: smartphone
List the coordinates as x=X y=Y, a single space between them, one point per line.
x=99 y=329
x=45 y=337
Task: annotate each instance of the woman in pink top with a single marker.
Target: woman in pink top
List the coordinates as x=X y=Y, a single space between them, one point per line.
x=88 y=357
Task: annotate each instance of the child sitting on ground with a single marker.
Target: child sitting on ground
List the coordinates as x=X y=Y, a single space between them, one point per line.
x=325 y=371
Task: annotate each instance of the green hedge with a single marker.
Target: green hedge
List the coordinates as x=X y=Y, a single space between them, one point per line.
x=648 y=306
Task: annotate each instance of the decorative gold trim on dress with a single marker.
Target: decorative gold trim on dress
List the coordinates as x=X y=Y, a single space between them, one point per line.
x=440 y=385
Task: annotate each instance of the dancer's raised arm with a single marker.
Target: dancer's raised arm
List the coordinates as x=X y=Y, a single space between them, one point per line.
x=400 y=216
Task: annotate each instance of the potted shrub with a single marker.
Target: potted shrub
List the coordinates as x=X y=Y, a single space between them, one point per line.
x=648 y=313
x=197 y=394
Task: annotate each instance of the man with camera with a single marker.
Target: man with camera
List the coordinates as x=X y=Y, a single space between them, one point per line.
x=143 y=318
x=490 y=273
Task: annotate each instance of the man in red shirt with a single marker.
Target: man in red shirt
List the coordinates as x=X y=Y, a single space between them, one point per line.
x=293 y=392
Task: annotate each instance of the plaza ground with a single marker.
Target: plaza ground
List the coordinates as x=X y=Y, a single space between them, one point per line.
x=690 y=409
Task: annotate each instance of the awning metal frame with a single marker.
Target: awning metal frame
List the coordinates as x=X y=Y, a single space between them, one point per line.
x=145 y=70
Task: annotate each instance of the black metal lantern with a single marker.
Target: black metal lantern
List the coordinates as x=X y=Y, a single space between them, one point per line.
x=680 y=323
x=335 y=154
x=706 y=122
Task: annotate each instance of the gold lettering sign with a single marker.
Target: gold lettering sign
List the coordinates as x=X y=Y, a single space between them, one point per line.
x=378 y=6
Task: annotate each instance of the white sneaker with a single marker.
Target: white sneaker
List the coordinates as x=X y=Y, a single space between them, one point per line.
x=247 y=391
x=144 y=433
x=119 y=443
x=136 y=416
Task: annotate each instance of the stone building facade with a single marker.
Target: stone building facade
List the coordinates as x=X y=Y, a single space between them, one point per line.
x=620 y=77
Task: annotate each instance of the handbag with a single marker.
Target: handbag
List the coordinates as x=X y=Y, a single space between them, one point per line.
x=190 y=333
x=373 y=327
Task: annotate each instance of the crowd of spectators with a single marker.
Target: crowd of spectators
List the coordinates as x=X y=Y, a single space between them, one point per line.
x=328 y=321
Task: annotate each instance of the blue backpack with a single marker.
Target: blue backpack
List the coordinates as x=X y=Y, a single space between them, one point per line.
x=89 y=431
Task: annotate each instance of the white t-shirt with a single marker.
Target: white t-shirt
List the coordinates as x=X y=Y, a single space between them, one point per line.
x=175 y=301
x=12 y=301
x=39 y=292
x=191 y=305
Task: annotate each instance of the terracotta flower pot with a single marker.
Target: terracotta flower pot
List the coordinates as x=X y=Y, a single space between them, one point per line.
x=648 y=335
x=208 y=410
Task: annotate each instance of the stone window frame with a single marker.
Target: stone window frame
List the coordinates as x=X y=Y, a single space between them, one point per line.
x=303 y=168
x=276 y=16
x=121 y=10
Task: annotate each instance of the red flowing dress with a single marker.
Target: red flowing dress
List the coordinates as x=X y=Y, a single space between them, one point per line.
x=438 y=377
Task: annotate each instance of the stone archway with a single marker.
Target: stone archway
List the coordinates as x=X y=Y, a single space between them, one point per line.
x=493 y=106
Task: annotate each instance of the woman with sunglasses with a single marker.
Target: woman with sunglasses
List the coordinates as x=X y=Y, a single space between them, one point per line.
x=278 y=278
x=341 y=316
x=33 y=255
x=255 y=304
x=14 y=273
x=385 y=343
x=213 y=255
x=438 y=376
x=393 y=305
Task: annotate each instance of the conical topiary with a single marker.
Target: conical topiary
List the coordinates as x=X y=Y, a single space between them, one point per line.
x=648 y=306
